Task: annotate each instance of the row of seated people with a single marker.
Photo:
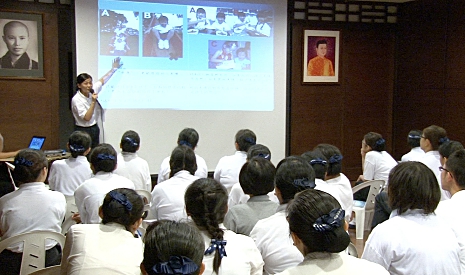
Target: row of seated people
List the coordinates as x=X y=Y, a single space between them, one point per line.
x=261 y=217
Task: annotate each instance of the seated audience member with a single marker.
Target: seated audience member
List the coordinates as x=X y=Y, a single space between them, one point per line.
x=32 y=207
x=334 y=176
x=227 y=252
x=453 y=180
x=190 y=138
x=318 y=229
x=237 y=196
x=414 y=240
x=6 y=182
x=447 y=148
x=257 y=180
x=271 y=235
x=109 y=247
x=172 y=248
x=67 y=174
x=320 y=165
x=376 y=163
x=130 y=165
x=413 y=141
x=168 y=196
x=432 y=137
x=228 y=167
x=89 y=195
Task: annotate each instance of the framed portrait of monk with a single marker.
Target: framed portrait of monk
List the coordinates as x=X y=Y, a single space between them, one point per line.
x=321 y=56
x=21 y=47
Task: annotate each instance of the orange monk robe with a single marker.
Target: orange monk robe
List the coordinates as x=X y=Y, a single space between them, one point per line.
x=320 y=66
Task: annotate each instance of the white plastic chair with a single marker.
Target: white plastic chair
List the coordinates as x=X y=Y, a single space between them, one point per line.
x=71 y=209
x=145 y=194
x=34 y=248
x=51 y=270
x=352 y=250
x=364 y=211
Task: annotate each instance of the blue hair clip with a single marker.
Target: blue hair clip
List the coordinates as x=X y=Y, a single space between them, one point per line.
x=183 y=142
x=131 y=141
x=414 y=136
x=318 y=161
x=265 y=156
x=305 y=183
x=443 y=140
x=380 y=141
x=176 y=265
x=250 y=140
x=76 y=148
x=335 y=159
x=217 y=245
x=105 y=157
x=121 y=199
x=331 y=221
x=23 y=162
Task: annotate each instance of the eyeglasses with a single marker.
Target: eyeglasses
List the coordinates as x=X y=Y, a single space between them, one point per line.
x=443 y=169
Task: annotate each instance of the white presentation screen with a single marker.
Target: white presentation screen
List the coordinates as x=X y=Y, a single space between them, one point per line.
x=214 y=66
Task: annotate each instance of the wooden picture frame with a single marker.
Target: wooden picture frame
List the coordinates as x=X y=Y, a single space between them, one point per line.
x=321 y=57
x=21 y=49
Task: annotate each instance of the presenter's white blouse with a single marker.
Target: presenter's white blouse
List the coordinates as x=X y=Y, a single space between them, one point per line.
x=66 y=175
x=89 y=196
x=136 y=169
x=80 y=104
x=414 y=244
x=101 y=249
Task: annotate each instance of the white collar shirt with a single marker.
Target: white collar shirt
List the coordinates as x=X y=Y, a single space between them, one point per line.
x=228 y=168
x=414 y=243
x=32 y=207
x=342 y=183
x=415 y=154
x=431 y=159
x=201 y=172
x=80 y=104
x=168 y=197
x=67 y=174
x=89 y=195
x=378 y=165
x=449 y=211
x=135 y=169
x=271 y=235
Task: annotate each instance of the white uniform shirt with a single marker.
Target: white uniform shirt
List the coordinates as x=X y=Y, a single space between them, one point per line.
x=335 y=264
x=345 y=193
x=414 y=243
x=378 y=165
x=237 y=196
x=414 y=155
x=449 y=211
x=135 y=168
x=243 y=257
x=164 y=174
x=89 y=196
x=162 y=29
x=431 y=159
x=101 y=249
x=67 y=174
x=228 y=168
x=271 y=235
x=168 y=197
x=330 y=189
x=32 y=207
x=80 y=104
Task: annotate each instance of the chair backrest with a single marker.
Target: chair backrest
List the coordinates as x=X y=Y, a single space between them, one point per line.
x=352 y=250
x=71 y=209
x=51 y=270
x=145 y=194
x=376 y=186
x=34 y=248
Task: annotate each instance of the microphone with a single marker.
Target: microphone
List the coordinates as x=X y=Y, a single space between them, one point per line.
x=91 y=91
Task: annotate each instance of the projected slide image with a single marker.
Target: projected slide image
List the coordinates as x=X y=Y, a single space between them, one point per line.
x=163 y=35
x=229 y=55
x=229 y=21
x=119 y=32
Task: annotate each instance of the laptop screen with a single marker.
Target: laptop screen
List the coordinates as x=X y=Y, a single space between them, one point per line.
x=36 y=142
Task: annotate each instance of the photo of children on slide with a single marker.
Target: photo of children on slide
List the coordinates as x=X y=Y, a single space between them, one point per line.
x=229 y=21
x=119 y=33
x=229 y=55
x=163 y=34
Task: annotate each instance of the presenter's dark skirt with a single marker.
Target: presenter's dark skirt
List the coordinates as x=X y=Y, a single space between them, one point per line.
x=93 y=131
x=10 y=262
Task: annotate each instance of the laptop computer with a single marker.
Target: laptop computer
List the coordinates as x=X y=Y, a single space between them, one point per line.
x=36 y=142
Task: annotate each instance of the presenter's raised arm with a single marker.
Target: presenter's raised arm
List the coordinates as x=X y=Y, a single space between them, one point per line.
x=115 y=66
